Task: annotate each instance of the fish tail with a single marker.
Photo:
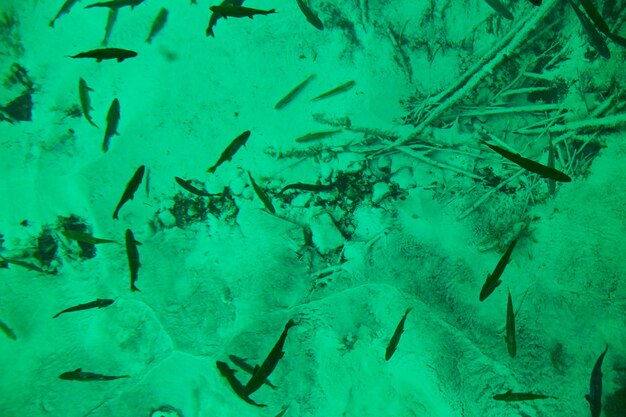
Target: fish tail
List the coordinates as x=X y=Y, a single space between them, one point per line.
x=211 y=170
x=134 y=288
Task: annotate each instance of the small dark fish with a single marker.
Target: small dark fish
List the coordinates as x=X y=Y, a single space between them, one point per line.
x=595 y=39
x=308 y=187
x=293 y=93
x=107 y=53
x=158 y=24
x=230 y=10
x=311 y=17
x=216 y=16
x=99 y=303
x=113 y=120
x=246 y=367
x=493 y=279
x=531 y=165
x=133 y=258
x=283 y=411
x=231 y=149
x=28 y=265
x=500 y=8
x=85 y=102
x=116 y=4
x=111 y=19
x=595 y=16
x=65 y=9
x=262 y=196
x=7 y=330
x=536 y=2
x=595 y=387
x=186 y=184
x=79 y=375
x=131 y=188
x=310 y=137
x=520 y=396
x=395 y=339
x=337 y=90
x=509 y=338
x=235 y=384
x=261 y=373
x=147 y=182
x=85 y=237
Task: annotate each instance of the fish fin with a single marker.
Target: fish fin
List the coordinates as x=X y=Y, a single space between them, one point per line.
x=120 y=59
x=98 y=59
x=78 y=370
x=588 y=398
x=508 y=392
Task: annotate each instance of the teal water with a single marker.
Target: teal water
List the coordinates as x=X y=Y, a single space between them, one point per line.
x=362 y=175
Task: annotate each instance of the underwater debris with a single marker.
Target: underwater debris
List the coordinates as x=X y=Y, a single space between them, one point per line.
x=500 y=8
x=595 y=39
x=19 y=109
x=47 y=248
x=166 y=411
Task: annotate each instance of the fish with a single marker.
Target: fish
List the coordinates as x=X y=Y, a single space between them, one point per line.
x=595 y=387
x=595 y=16
x=500 y=8
x=509 y=338
x=186 y=184
x=311 y=17
x=28 y=265
x=116 y=4
x=111 y=19
x=595 y=39
x=267 y=202
x=65 y=9
x=245 y=366
x=337 y=90
x=230 y=150
x=107 y=53
x=85 y=237
x=310 y=137
x=521 y=396
x=131 y=188
x=231 y=10
x=85 y=102
x=235 y=384
x=7 y=330
x=493 y=279
x=158 y=24
x=293 y=93
x=395 y=339
x=113 y=120
x=148 y=182
x=80 y=375
x=261 y=373
x=99 y=303
x=282 y=412
x=530 y=165
x=307 y=187
x=215 y=16
x=133 y=258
